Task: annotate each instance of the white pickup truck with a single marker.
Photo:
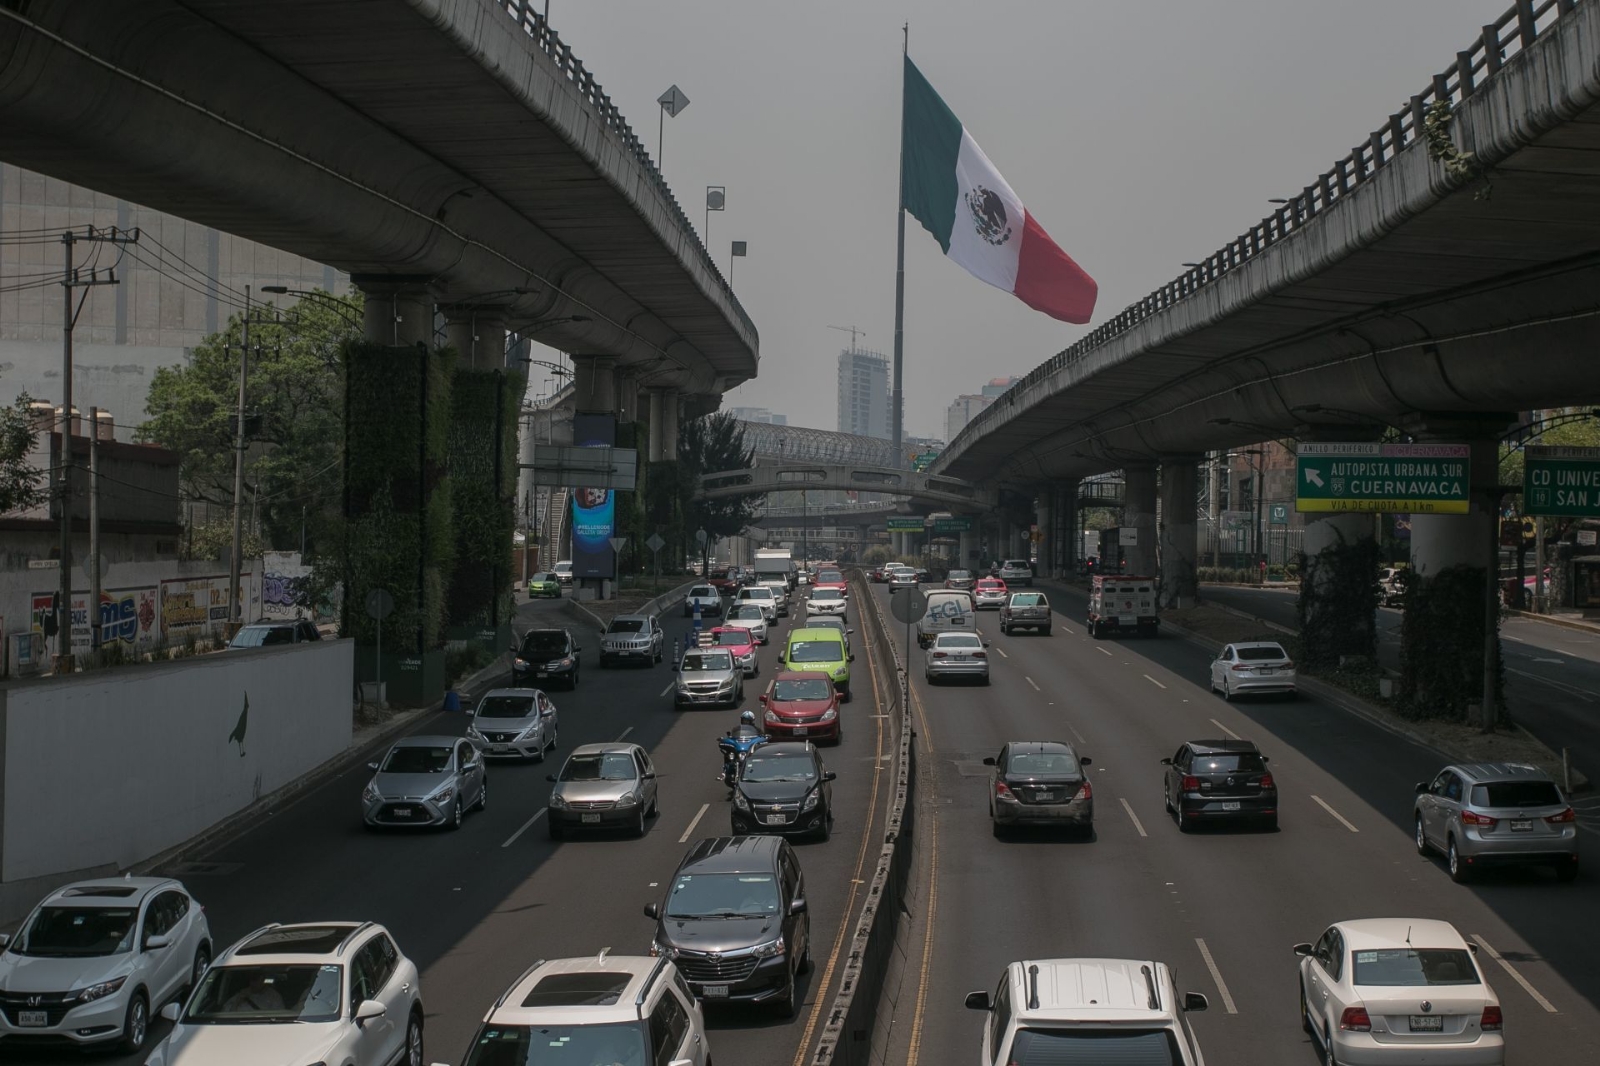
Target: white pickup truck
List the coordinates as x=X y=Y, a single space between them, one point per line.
x=1122 y=603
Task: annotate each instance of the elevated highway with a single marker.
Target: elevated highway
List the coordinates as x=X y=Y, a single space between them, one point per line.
x=788 y=477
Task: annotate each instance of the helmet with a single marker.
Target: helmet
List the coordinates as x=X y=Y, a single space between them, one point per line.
x=748 y=717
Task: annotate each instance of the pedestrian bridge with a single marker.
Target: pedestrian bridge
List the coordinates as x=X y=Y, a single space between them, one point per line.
x=778 y=477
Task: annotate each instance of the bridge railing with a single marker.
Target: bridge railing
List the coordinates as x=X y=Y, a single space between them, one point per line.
x=572 y=68
x=1512 y=32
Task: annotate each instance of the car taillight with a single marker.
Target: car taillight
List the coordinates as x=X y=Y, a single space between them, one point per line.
x=1491 y=1022
x=1567 y=815
x=980 y=655
x=1244 y=666
x=1085 y=791
x=1474 y=818
x=1355 y=1020
x=1000 y=789
x=940 y=655
x=1189 y=783
x=1266 y=781
x=1287 y=664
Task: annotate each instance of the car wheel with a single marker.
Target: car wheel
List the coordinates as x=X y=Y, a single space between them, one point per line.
x=538 y=756
x=1001 y=832
x=455 y=812
x=785 y=1004
x=638 y=826
x=984 y=679
x=1166 y=799
x=556 y=832
x=1421 y=838
x=202 y=962
x=483 y=795
x=1305 y=1014
x=1185 y=824
x=1045 y=631
x=1567 y=871
x=136 y=1024
x=1458 y=869
x=826 y=829
x=1328 y=1058
x=414 y=1040
x=1227 y=690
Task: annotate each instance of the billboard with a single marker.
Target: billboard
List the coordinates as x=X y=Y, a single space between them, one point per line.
x=594 y=510
x=127 y=616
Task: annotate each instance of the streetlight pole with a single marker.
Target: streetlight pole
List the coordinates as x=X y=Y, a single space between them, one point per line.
x=236 y=612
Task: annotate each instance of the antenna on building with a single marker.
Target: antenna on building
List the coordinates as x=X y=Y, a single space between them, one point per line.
x=853 y=331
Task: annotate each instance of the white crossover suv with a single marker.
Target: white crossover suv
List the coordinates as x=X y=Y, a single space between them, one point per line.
x=330 y=992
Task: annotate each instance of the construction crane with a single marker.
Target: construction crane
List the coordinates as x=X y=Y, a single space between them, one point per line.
x=853 y=331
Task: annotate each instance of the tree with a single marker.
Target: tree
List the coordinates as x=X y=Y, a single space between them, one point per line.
x=709 y=445
x=294 y=417
x=21 y=482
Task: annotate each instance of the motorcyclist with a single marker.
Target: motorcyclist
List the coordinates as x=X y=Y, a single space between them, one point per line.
x=747 y=726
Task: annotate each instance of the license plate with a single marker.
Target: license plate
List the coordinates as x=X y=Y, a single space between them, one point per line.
x=402 y=812
x=776 y=819
x=502 y=749
x=801 y=730
x=1230 y=806
x=715 y=991
x=1427 y=1023
x=1266 y=670
x=958 y=621
x=1044 y=797
x=590 y=819
x=32 y=1018
x=1522 y=825
x=541 y=673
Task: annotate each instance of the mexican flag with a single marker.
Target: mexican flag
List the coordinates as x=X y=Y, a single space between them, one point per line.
x=949 y=185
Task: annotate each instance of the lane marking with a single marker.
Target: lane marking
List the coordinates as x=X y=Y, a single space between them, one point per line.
x=1216 y=975
x=1030 y=681
x=915 y=1044
x=512 y=839
x=1136 y=823
x=1153 y=681
x=1226 y=730
x=1516 y=976
x=701 y=813
x=1002 y=652
x=1342 y=819
x=1076 y=733
x=624 y=735
x=1561 y=686
x=1101 y=650
x=668 y=688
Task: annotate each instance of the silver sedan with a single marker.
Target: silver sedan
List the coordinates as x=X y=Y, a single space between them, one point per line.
x=604 y=786
x=516 y=722
x=425 y=781
x=957 y=655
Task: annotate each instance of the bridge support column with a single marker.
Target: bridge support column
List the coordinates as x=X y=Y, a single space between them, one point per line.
x=1180 y=484
x=1338 y=603
x=594 y=384
x=397 y=313
x=1045 y=515
x=478 y=335
x=627 y=398
x=1067 y=539
x=968 y=548
x=1139 y=511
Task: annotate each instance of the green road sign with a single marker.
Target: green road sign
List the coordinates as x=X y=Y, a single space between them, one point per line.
x=960 y=524
x=920 y=462
x=1561 y=482
x=904 y=523
x=1418 y=478
x=1278 y=514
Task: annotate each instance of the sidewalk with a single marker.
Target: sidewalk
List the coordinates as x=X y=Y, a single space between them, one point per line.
x=1566 y=617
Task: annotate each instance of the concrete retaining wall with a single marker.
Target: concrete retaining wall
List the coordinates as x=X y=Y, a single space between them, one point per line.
x=107 y=769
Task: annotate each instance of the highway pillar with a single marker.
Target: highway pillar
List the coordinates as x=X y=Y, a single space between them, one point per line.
x=1045 y=514
x=1068 y=542
x=396 y=313
x=478 y=335
x=1338 y=570
x=627 y=398
x=1139 y=511
x=1180 y=485
x=594 y=384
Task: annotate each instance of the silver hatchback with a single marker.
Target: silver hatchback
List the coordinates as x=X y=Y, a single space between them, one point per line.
x=1485 y=814
x=708 y=677
x=425 y=780
x=517 y=722
x=604 y=786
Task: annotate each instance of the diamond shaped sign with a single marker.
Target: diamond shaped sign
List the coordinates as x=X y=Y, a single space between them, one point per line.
x=655 y=543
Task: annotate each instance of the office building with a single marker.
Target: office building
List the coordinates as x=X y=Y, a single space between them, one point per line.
x=963 y=410
x=864 y=393
x=998 y=386
x=758 y=414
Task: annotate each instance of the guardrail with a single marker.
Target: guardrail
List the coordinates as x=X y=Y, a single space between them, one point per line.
x=572 y=68
x=1511 y=33
x=847 y=1031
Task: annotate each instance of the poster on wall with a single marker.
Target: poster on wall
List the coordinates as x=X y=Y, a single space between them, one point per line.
x=593 y=510
x=196 y=606
x=127 y=617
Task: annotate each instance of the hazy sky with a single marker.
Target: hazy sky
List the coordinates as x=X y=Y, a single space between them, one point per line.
x=1141 y=133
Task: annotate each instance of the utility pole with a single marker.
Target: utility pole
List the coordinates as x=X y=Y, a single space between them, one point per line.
x=236 y=610
x=92 y=564
x=71 y=279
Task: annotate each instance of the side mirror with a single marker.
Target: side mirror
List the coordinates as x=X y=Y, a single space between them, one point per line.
x=372 y=766
x=850 y=632
x=1422 y=786
x=1194 y=1001
x=764 y=699
x=652 y=910
x=370 y=1009
x=797 y=905
x=851 y=657
x=1166 y=762
x=5 y=938
x=156 y=942
x=979 y=1001
x=1085 y=760
x=651 y=776
x=1266 y=758
x=989 y=761
x=1302 y=949
x=829 y=775
x=171 y=1012
x=512 y=649
x=986 y=644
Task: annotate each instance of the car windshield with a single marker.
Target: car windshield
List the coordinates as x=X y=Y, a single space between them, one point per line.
x=959 y=640
x=1260 y=652
x=1227 y=763
x=69 y=932
x=613 y=1044
x=748 y=613
x=506 y=707
x=416 y=759
x=261 y=636
x=762 y=769
x=608 y=766
x=816 y=651
x=1027 y=599
x=537 y=644
x=540 y=578
x=1043 y=762
x=563 y=568
x=252 y=995
x=735 y=639
x=827 y=594
x=625 y=625
x=1415 y=966
x=756 y=594
x=830 y=576
x=703 y=592
x=695 y=662
x=1093 y=1047
x=1516 y=794
x=812 y=688
x=723 y=896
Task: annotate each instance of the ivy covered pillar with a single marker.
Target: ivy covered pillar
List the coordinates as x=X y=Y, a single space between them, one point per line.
x=1139 y=511
x=482 y=456
x=477 y=334
x=1338 y=595
x=1180 y=547
x=398 y=310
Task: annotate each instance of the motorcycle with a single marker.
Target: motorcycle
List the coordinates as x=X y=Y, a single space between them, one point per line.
x=735 y=746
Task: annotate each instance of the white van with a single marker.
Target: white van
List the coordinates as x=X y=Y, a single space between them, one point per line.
x=949 y=611
x=1118 y=602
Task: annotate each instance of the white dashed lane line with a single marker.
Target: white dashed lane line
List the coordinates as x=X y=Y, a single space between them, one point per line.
x=1516 y=975
x=1136 y=823
x=1153 y=681
x=624 y=735
x=668 y=688
x=1342 y=819
x=1002 y=652
x=1102 y=651
x=1030 y=681
x=1216 y=975
x=1226 y=730
x=512 y=839
x=701 y=813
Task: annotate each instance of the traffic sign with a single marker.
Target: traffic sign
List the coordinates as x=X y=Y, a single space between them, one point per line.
x=908 y=605
x=1417 y=478
x=379 y=604
x=905 y=523
x=655 y=543
x=958 y=524
x=617 y=543
x=1278 y=514
x=1561 y=482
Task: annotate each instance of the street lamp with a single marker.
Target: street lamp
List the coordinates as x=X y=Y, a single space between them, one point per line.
x=325 y=299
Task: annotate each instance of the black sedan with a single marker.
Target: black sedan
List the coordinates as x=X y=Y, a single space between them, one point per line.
x=1219 y=780
x=784 y=788
x=1040 y=782
x=545 y=654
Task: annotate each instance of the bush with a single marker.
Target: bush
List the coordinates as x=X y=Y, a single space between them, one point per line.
x=463 y=660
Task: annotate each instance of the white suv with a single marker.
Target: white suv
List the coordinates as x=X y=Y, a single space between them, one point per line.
x=1016 y=572
x=624 y=1008
x=94 y=959
x=1071 y=1010
x=352 y=996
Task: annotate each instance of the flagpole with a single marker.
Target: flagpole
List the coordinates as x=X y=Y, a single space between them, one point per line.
x=898 y=403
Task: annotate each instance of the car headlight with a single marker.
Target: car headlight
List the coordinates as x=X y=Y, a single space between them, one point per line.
x=727 y=683
x=472 y=731
x=564 y=662
x=829 y=715
x=519 y=664
x=811 y=801
x=663 y=951
x=683 y=686
x=768 y=950
x=557 y=801
x=369 y=795
x=627 y=799
x=443 y=795
x=530 y=731
x=740 y=802
x=99 y=991
x=772 y=716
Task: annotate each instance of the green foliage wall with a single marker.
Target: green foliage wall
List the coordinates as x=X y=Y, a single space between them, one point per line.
x=482 y=456
x=398 y=514
x=1441 y=646
x=1338 y=602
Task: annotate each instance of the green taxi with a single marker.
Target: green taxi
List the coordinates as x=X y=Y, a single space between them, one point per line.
x=544 y=584
x=823 y=650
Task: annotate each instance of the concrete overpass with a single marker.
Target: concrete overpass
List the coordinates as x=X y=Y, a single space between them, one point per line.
x=444 y=152
x=788 y=477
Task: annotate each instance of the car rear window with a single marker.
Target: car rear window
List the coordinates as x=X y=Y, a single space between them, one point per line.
x=1082 y=1046
x=959 y=640
x=1516 y=794
x=737 y=638
x=1228 y=763
x=1027 y=599
x=1415 y=966
x=1263 y=651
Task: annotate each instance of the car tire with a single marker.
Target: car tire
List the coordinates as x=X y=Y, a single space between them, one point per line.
x=135 y=1024
x=638 y=826
x=1227 y=691
x=785 y=1004
x=845 y=697
x=483 y=797
x=984 y=680
x=539 y=755
x=455 y=813
x=1305 y=1013
x=1045 y=631
x=556 y=832
x=1459 y=871
x=825 y=830
x=202 y=962
x=414 y=1049
x=1185 y=824
x=1166 y=799
x=1421 y=838
x=1001 y=832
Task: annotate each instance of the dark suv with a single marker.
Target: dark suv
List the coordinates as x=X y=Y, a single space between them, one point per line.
x=734 y=921
x=545 y=654
x=1219 y=780
x=265 y=634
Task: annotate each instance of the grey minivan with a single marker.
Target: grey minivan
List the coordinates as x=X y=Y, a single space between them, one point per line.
x=1484 y=814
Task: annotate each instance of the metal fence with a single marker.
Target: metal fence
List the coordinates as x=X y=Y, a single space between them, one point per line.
x=803 y=444
x=1512 y=32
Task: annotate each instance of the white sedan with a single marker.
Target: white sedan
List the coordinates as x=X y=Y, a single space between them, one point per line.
x=1391 y=991
x=827 y=601
x=1251 y=667
x=748 y=616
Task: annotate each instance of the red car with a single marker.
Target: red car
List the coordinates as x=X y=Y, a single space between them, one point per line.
x=802 y=704
x=831 y=579
x=741 y=643
x=723 y=582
